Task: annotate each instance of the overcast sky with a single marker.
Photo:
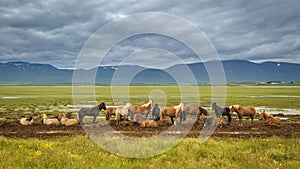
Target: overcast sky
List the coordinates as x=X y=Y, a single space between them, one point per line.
x=55 y=31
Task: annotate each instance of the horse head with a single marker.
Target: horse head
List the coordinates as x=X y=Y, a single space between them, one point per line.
x=234 y=108
x=203 y=111
x=214 y=104
x=264 y=115
x=102 y=106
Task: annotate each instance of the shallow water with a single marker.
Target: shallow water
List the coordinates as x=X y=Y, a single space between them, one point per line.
x=274 y=96
x=284 y=111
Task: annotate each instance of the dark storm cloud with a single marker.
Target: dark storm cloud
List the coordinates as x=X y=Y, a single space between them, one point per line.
x=55 y=31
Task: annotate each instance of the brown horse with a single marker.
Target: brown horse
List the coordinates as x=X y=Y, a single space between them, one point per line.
x=172 y=112
x=143 y=109
x=269 y=119
x=197 y=110
x=243 y=111
x=110 y=111
x=149 y=123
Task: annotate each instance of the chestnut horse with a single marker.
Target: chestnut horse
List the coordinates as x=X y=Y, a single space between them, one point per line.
x=243 y=111
x=172 y=112
x=149 y=123
x=269 y=119
x=143 y=109
x=197 y=110
x=110 y=111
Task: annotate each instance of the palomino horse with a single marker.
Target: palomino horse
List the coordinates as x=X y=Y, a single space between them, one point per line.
x=172 y=112
x=197 y=110
x=269 y=119
x=47 y=121
x=243 y=111
x=143 y=109
x=221 y=111
x=29 y=120
x=122 y=112
x=66 y=121
x=94 y=111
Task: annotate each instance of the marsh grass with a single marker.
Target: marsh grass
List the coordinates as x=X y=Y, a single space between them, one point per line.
x=53 y=99
x=81 y=152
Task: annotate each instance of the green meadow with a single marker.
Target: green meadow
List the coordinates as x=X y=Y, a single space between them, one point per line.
x=18 y=99
x=81 y=152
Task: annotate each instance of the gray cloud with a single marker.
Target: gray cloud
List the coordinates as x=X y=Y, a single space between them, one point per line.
x=55 y=31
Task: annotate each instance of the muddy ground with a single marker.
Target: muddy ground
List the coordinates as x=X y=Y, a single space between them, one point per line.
x=256 y=130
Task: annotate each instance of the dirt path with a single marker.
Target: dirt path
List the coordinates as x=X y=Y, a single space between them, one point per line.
x=258 y=130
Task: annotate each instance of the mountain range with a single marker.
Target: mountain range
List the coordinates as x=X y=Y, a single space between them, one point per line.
x=22 y=73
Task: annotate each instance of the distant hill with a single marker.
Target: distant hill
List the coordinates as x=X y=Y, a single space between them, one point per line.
x=20 y=73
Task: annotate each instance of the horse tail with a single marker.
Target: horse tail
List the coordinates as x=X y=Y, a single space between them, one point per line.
x=117 y=117
x=80 y=115
x=182 y=116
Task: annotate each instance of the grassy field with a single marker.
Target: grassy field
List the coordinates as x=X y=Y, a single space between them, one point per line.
x=81 y=152
x=20 y=100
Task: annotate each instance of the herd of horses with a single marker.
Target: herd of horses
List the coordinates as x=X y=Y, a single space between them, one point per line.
x=140 y=113
x=178 y=113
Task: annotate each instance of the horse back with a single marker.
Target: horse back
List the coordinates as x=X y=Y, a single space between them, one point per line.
x=252 y=110
x=170 y=111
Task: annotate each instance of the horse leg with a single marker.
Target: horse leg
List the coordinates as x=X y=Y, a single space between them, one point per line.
x=107 y=116
x=240 y=120
x=181 y=117
x=251 y=116
x=229 y=118
x=172 y=120
x=175 y=121
x=147 y=114
x=81 y=118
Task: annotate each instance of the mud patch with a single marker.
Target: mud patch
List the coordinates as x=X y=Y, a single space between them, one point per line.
x=285 y=130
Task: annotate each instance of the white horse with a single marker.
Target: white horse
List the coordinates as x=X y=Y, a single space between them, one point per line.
x=122 y=112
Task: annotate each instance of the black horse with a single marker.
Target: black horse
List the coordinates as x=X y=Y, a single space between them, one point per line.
x=94 y=111
x=220 y=111
x=155 y=112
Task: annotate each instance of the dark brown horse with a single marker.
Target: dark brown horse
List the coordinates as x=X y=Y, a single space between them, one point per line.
x=111 y=111
x=94 y=111
x=197 y=110
x=222 y=111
